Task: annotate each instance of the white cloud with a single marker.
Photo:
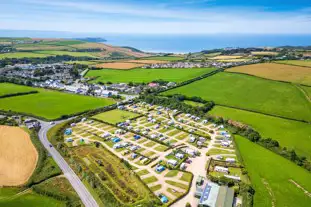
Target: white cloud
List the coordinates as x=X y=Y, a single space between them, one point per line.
x=73 y=16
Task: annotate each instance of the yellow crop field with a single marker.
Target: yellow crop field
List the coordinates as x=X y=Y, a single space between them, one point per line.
x=147 y=61
x=119 y=65
x=18 y=156
x=263 y=53
x=282 y=72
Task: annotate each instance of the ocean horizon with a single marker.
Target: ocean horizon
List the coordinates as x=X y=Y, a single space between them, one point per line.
x=197 y=43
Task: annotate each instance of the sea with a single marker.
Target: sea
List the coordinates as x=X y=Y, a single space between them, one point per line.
x=196 y=43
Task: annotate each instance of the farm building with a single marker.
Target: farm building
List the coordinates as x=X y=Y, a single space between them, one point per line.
x=221 y=169
x=216 y=196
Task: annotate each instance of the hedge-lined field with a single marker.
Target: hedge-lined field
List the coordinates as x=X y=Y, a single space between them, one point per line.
x=252 y=93
x=147 y=75
x=9 y=88
x=273 y=71
x=306 y=63
x=165 y=58
x=73 y=54
x=23 y=55
x=52 y=104
x=291 y=134
x=271 y=174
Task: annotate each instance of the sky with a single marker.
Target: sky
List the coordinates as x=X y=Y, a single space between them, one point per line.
x=158 y=16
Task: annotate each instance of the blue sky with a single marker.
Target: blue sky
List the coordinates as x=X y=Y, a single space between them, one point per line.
x=159 y=16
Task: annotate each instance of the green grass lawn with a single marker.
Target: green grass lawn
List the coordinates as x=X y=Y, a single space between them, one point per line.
x=307 y=90
x=179 y=185
x=215 y=151
x=150 y=179
x=9 y=88
x=250 y=93
x=171 y=173
x=74 y=54
x=9 y=198
x=165 y=58
x=264 y=165
x=115 y=116
x=147 y=75
x=52 y=104
x=23 y=55
x=306 y=63
x=291 y=134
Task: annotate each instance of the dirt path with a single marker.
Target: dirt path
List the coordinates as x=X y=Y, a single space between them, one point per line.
x=298 y=186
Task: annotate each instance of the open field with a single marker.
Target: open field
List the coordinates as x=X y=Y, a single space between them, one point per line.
x=119 y=65
x=192 y=103
x=31 y=47
x=147 y=61
x=282 y=72
x=234 y=60
x=165 y=58
x=23 y=55
x=147 y=75
x=226 y=57
x=52 y=104
x=291 y=134
x=250 y=93
x=265 y=53
x=10 y=197
x=306 y=63
x=9 y=88
x=18 y=156
x=115 y=116
x=82 y=62
x=74 y=54
x=307 y=91
x=271 y=177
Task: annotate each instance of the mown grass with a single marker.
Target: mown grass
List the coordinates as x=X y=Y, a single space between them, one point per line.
x=146 y=75
x=115 y=116
x=264 y=166
x=192 y=103
x=9 y=88
x=23 y=55
x=171 y=173
x=291 y=134
x=251 y=93
x=179 y=185
x=52 y=104
x=10 y=198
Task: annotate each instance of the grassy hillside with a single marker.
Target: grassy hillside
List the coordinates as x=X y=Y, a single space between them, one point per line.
x=23 y=55
x=52 y=104
x=166 y=58
x=250 y=93
x=147 y=75
x=291 y=134
x=74 y=54
x=271 y=177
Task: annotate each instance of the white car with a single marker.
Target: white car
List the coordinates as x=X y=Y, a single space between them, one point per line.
x=52 y=122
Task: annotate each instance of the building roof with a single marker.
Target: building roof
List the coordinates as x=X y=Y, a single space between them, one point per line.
x=217 y=196
x=225 y=197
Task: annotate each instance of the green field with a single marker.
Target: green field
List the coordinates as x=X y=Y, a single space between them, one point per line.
x=147 y=75
x=193 y=103
x=9 y=197
x=291 y=134
x=250 y=93
x=82 y=62
x=52 y=104
x=23 y=55
x=115 y=116
x=8 y=88
x=165 y=58
x=265 y=166
x=74 y=54
x=306 y=63
x=307 y=91
x=63 y=42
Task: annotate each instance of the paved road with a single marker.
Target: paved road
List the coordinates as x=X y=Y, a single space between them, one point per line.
x=76 y=183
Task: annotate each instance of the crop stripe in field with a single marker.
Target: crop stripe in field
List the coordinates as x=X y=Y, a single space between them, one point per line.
x=292 y=64
x=269 y=189
x=258 y=112
x=304 y=92
x=300 y=187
